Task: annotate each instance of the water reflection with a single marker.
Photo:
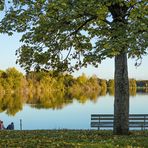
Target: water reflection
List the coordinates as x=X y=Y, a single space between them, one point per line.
x=11 y=103
x=60 y=99
x=143 y=90
x=53 y=101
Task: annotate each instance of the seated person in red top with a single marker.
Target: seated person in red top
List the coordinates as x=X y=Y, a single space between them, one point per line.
x=1 y=125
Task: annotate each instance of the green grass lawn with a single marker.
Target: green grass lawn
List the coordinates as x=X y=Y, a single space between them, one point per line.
x=71 y=138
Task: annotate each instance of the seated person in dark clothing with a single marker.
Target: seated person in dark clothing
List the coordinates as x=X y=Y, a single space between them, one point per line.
x=10 y=126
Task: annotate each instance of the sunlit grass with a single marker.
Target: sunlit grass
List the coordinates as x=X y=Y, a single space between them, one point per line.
x=72 y=138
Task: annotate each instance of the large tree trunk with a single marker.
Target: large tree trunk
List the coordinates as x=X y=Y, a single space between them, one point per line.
x=121 y=103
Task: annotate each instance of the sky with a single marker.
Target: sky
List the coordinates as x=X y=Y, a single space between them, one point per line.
x=9 y=44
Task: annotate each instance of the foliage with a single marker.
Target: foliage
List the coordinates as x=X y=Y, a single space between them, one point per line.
x=142 y=83
x=132 y=83
x=11 y=104
x=110 y=83
x=85 y=87
x=71 y=138
x=56 y=32
x=103 y=84
x=44 y=90
x=11 y=79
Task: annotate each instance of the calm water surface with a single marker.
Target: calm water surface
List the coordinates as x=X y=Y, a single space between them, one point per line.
x=74 y=115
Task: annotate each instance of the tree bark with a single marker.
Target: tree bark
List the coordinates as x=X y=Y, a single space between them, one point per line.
x=121 y=102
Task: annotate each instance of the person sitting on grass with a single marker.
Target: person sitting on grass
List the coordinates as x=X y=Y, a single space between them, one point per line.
x=1 y=125
x=10 y=126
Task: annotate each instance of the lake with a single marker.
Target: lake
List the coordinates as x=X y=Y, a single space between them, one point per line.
x=74 y=114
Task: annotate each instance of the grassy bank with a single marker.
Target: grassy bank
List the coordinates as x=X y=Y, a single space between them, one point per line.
x=71 y=138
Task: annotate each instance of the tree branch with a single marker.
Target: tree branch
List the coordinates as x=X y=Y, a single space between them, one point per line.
x=82 y=25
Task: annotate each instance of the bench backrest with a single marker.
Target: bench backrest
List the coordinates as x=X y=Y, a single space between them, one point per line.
x=106 y=120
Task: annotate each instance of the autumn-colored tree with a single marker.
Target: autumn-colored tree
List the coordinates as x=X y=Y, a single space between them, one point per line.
x=132 y=83
x=110 y=83
x=69 y=34
x=14 y=78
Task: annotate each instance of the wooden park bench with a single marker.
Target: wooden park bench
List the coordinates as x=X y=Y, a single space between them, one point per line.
x=106 y=121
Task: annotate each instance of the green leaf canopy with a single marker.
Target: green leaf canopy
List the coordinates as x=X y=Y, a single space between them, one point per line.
x=69 y=34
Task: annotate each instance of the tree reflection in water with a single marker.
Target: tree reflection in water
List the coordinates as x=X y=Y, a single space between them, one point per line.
x=60 y=99
x=11 y=103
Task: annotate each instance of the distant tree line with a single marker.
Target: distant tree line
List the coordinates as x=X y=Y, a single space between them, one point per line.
x=132 y=83
x=47 y=82
x=37 y=83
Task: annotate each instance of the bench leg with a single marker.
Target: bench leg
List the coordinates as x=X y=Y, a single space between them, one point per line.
x=142 y=128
